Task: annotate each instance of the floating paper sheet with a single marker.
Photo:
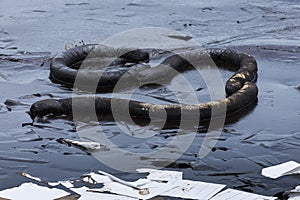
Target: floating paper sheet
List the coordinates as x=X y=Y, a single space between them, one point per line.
x=195 y=190
x=296 y=190
x=33 y=192
x=231 y=194
x=157 y=183
x=161 y=175
x=187 y=189
x=140 y=189
x=283 y=169
x=294 y=197
x=86 y=194
x=294 y=194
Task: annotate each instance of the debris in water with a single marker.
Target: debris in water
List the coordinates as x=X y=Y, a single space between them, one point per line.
x=287 y=168
x=10 y=102
x=33 y=192
x=181 y=37
x=106 y=186
x=88 y=147
x=238 y=195
x=294 y=194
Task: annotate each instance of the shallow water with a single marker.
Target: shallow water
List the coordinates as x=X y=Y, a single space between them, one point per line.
x=266 y=134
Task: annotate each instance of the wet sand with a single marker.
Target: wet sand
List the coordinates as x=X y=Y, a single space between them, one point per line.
x=267 y=134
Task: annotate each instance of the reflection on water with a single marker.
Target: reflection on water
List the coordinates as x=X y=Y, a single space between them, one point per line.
x=264 y=135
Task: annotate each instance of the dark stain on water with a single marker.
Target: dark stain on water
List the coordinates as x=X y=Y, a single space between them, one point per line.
x=76 y=4
x=265 y=134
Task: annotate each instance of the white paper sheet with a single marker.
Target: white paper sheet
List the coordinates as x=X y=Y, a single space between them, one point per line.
x=158 y=182
x=141 y=189
x=195 y=190
x=294 y=197
x=283 y=169
x=296 y=190
x=86 y=195
x=160 y=175
x=33 y=192
x=294 y=194
x=231 y=194
x=67 y=184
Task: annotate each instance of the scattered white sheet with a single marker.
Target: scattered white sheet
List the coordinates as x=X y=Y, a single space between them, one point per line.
x=157 y=183
x=294 y=194
x=294 y=197
x=296 y=190
x=67 y=184
x=160 y=175
x=140 y=189
x=231 y=194
x=88 y=195
x=283 y=169
x=195 y=190
x=187 y=188
x=33 y=192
